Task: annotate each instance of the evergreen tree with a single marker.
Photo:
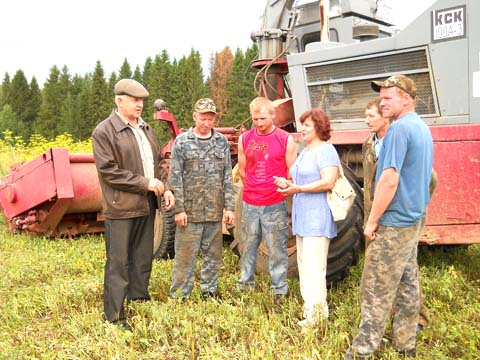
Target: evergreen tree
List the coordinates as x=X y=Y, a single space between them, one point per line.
x=5 y=93
x=147 y=69
x=125 y=71
x=188 y=78
x=75 y=107
x=50 y=110
x=240 y=88
x=32 y=105
x=69 y=123
x=84 y=127
x=159 y=81
x=7 y=118
x=137 y=74
x=112 y=80
x=19 y=98
x=99 y=103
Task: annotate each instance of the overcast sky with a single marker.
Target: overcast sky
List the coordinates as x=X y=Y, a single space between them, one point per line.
x=37 y=34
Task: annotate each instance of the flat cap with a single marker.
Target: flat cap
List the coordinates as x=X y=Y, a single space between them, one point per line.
x=130 y=87
x=205 y=105
x=402 y=82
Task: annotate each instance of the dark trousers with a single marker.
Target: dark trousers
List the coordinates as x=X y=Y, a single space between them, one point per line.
x=129 y=249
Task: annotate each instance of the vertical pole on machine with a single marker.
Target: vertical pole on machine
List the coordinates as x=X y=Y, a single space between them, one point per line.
x=325 y=20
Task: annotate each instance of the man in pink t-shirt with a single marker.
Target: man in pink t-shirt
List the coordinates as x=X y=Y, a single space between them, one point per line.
x=265 y=151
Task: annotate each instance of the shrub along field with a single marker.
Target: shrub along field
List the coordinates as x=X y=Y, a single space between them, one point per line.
x=51 y=308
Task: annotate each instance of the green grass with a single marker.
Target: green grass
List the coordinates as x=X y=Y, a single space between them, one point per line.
x=51 y=308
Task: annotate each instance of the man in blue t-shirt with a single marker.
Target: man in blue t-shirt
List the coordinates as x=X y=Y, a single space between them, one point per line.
x=390 y=274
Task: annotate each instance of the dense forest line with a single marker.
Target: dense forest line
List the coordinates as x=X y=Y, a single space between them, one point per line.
x=74 y=104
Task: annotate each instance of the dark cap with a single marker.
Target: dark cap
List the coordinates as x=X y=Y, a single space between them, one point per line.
x=402 y=82
x=130 y=87
x=205 y=105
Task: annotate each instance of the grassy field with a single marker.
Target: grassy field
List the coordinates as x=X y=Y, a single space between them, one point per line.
x=51 y=308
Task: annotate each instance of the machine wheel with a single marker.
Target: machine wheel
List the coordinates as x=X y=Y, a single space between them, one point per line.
x=343 y=251
x=164 y=233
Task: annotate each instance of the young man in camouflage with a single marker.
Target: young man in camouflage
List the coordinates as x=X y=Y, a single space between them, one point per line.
x=390 y=273
x=201 y=178
x=371 y=147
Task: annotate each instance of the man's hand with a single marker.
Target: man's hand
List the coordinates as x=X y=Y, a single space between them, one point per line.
x=169 y=200
x=156 y=186
x=229 y=217
x=370 y=230
x=181 y=218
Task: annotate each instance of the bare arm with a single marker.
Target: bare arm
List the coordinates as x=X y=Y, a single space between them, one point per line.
x=329 y=176
x=291 y=153
x=384 y=193
x=242 y=160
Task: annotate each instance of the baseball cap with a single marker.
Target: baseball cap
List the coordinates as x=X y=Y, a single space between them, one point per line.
x=130 y=87
x=205 y=105
x=402 y=82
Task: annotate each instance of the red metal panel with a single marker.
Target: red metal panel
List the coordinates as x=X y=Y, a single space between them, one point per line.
x=451 y=234
x=448 y=133
x=30 y=185
x=349 y=137
x=86 y=187
x=457 y=197
x=63 y=177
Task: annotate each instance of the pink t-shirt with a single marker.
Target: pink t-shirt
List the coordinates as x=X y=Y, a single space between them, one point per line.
x=265 y=155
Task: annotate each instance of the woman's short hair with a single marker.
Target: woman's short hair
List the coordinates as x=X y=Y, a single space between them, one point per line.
x=321 y=122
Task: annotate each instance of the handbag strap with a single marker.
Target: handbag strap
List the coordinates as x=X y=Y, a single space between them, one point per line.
x=340 y=170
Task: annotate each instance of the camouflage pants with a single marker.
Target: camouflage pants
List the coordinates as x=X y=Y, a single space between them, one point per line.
x=389 y=279
x=270 y=223
x=189 y=240
x=424 y=315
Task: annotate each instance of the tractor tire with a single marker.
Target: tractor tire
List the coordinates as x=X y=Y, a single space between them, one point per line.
x=164 y=233
x=343 y=250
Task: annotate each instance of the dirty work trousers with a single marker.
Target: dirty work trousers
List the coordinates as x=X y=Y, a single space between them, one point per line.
x=189 y=240
x=389 y=279
x=270 y=223
x=129 y=248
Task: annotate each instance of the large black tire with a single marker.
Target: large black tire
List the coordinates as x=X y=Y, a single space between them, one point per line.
x=343 y=251
x=164 y=233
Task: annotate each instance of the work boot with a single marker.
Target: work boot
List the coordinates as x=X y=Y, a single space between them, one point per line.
x=205 y=295
x=278 y=300
x=350 y=355
x=412 y=353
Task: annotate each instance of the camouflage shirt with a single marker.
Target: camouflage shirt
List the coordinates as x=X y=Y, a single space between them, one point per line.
x=369 y=171
x=201 y=176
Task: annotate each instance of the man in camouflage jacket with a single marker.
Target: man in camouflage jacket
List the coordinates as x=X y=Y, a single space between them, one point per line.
x=201 y=178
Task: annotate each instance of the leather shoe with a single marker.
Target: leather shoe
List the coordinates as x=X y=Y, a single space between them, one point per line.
x=122 y=324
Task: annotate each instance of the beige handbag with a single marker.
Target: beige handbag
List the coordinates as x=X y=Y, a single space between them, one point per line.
x=340 y=199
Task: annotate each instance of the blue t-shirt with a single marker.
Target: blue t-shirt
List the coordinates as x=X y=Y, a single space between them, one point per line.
x=408 y=148
x=311 y=215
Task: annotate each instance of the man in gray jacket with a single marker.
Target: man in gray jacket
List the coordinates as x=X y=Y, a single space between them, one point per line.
x=127 y=159
x=201 y=176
